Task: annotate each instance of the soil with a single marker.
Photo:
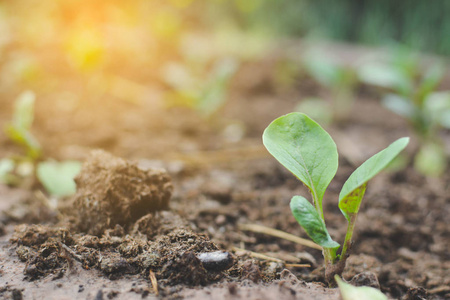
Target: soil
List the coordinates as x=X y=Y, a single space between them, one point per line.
x=160 y=214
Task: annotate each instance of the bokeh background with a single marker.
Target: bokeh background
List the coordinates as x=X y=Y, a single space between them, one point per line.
x=97 y=68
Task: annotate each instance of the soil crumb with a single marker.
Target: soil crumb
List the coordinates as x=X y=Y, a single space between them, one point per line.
x=113 y=191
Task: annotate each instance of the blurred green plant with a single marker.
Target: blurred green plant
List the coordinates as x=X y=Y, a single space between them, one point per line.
x=57 y=178
x=412 y=94
x=206 y=94
x=350 y=292
x=341 y=81
x=19 y=128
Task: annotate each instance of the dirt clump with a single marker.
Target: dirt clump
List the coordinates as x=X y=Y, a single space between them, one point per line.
x=113 y=191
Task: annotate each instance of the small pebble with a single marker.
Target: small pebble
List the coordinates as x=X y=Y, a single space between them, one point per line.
x=216 y=261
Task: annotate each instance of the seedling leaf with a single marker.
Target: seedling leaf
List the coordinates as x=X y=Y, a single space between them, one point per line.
x=305 y=149
x=6 y=167
x=19 y=129
x=57 y=177
x=431 y=160
x=307 y=216
x=385 y=76
x=350 y=292
x=353 y=190
x=399 y=105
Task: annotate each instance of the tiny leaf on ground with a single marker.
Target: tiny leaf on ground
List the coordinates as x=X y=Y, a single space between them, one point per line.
x=351 y=194
x=57 y=177
x=304 y=148
x=350 y=292
x=307 y=216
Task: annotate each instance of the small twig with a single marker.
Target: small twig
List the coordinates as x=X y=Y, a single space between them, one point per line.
x=71 y=252
x=152 y=277
x=270 y=258
x=258 y=255
x=280 y=234
x=298 y=265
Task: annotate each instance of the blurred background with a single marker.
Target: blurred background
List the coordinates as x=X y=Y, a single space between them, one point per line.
x=118 y=74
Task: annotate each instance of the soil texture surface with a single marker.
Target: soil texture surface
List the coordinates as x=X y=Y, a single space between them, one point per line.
x=176 y=206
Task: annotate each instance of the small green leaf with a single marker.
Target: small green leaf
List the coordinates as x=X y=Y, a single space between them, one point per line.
x=307 y=216
x=431 y=160
x=305 y=149
x=437 y=106
x=385 y=76
x=57 y=177
x=399 y=105
x=353 y=190
x=324 y=71
x=19 y=129
x=6 y=167
x=24 y=111
x=214 y=93
x=350 y=292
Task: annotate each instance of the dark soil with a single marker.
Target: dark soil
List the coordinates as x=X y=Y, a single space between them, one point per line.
x=165 y=221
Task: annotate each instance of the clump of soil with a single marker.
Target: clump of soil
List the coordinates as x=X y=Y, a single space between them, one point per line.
x=120 y=228
x=113 y=191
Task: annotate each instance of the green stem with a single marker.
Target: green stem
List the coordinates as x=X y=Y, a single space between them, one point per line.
x=348 y=237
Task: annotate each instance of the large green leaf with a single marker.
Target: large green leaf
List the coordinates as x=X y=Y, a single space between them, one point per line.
x=353 y=190
x=57 y=177
x=305 y=149
x=307 y=216
x=350 y=292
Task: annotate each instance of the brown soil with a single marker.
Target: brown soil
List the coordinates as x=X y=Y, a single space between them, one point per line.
x=134 y=230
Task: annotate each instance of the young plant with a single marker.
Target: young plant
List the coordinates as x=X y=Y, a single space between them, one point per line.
x=341 y=80
x=205 y=93
x=56 y=177
x=412 y=94
x=19 y=130
x=308 y=151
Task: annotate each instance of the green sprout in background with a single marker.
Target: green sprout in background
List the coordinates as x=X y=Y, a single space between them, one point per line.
x=339 y=79
x=56 y=177
x=203 y=90
x=19 y=128
x=308 y=151
x=412 y=94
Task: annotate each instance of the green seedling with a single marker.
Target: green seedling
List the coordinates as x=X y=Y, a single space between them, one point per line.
x=308 y=151
x=341 y=80
x=57 y=177
x=350 y=292
x=19 y=130
x=205 y=93
x=412 y=94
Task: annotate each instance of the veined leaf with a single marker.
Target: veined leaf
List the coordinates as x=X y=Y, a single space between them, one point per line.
x=305 y=149
x=353 y=190
x=350 y=292
x=57 y=177
x=307 y=216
